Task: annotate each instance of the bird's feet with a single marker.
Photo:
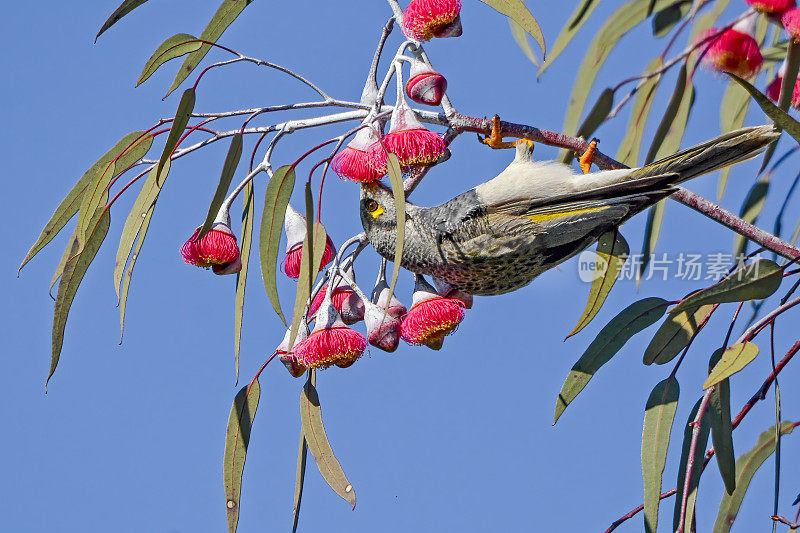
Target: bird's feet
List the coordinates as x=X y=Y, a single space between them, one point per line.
x=585 y=160
x=495 y=139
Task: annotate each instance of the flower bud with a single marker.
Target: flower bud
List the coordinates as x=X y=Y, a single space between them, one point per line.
x=288 y=357
x=425 y=85
x=296 y=230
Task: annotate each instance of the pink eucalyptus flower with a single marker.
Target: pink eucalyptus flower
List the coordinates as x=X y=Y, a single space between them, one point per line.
x=216 y=249
x=296 y=228
x=431 y=317
x=425 y=19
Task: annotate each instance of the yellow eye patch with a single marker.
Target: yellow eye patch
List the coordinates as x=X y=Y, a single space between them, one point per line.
x=378 y=211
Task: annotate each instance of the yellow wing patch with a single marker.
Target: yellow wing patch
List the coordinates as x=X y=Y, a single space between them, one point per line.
x=555 y=214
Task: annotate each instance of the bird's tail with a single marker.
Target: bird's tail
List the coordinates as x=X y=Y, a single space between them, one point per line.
x=725 y=150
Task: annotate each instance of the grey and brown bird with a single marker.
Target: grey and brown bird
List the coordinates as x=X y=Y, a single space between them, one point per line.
x=500 y=235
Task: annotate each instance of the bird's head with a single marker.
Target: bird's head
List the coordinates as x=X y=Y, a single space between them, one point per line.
x=377 y=208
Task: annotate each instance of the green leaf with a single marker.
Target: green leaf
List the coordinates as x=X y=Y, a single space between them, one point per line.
x=182 y=116
x=74 y=269
x=666 y=19
x=135 y=229
x=306 y=278
x=314 y=431
x=237 y=439
x=755 y=281
x=248 y=213
x=781 y=118
x=625 y=18
x=516 y=11
x=228 y=170
x=69 y=205
x=125 y=7
x=598 y=114
x=675 y=334
x=700 y=451
x=719 y=412
x=673 y=122
x=608 y=342
x=751 y=208
x=225 y=15
x=630 y=147
x=658 y=418
x=96 y=195
x=732 y=112
x=612 y=252
x=732 y=360
x=298 y=481
x=279 y=190
x=519 y=35
x=396 y=181
x=178 y=45
x=576 y=21
x=746 y=467
x=652 y=230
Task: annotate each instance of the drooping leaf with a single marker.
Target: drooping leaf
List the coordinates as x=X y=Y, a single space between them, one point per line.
x=658 y=418
x=178 y=45
x=135 y=229
x=746 y=466
x=74 y=269
x=70 y=205
x=314 y=431
x=576 y=20
x=666 y=19
x=396 y=181
x=279 y=190
x=673 y=122
x=182 y=116
x=124 y=8
x=652 y=230
x=625 y=18
x=225 y=15
x=611 y=338
x=248 y=213
x=612 y=252
x=781 y=118
x=305 y=280
x=755 y=281
x=298 y=481
x=675 y=334
x=751 y=208
x=228 y=170
x=521 y=37
x=516 y=11
x=598 y=114
x=732 y=360
x=237 y=439
x=630 y=147
x=732 y=112
x=719 y=413
x=96 y=195
x=700 y=451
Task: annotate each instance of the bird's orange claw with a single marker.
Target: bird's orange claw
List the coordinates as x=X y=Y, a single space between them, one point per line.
x=586 y=159
x=495 y=140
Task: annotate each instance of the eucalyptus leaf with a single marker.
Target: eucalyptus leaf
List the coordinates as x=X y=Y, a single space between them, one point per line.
x=299 y=481
x=305 y=280
x=176 y=46
x=755 y=281
x=612 y=252
x=732 y=360
x=608 y=342
x=751 y=208
x=228 y=170
x=732 y=112
x=248 y=213
x=396 y=181
x=658 y=418
x=237 y=440
x=182 y=116
x=700 y=451
x=719 y=412
x=630 y=147
x=575 y=22
x=746 y=467
x=314 y=431
x=225 y=15
x=516 y=11
x=124 y=8
x=666 y=19
x=279 y=190
x=598 y=114
x=675 y=334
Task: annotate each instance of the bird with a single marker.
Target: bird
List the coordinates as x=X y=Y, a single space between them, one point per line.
x=500 y=235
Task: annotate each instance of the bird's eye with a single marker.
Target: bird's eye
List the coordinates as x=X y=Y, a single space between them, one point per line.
x=372 y=206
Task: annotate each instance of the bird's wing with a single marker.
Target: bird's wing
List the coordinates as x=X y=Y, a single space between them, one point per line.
x=570 y=202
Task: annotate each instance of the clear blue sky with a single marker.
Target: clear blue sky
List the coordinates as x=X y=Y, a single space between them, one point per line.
x=130 y=438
